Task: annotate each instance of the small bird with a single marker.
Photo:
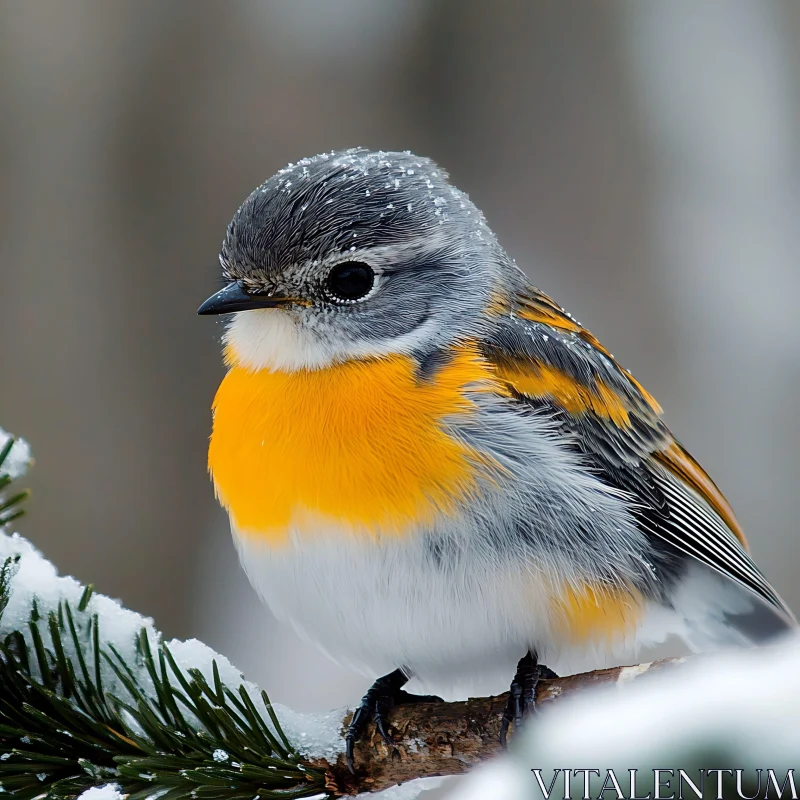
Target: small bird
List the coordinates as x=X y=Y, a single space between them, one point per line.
x=431 y=469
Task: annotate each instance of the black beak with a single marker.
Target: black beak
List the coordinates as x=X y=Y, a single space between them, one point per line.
x=234 y=298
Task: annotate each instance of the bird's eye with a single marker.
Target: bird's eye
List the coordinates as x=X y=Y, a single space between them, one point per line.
x=350 y=280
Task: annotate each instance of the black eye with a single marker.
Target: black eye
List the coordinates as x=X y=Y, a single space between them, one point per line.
x=350 y=280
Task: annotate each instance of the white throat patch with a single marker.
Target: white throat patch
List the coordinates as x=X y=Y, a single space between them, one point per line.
x=269 y=338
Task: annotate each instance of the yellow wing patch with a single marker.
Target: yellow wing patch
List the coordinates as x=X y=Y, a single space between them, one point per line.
x=539 y=380
x=599 y=614
x=538 y=307
x=359 y=444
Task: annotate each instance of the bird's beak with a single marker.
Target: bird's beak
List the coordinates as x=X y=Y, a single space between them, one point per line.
x=234 y=298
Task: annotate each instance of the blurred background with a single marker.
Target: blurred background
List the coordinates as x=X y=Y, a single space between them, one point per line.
x=640 y=160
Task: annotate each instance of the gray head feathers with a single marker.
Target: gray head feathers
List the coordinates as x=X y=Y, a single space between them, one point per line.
x=340 y=202
x=436 y=263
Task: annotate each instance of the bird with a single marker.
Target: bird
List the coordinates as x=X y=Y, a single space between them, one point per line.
x=432 y=470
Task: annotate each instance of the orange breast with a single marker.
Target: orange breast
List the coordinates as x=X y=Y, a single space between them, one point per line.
x=359 y=444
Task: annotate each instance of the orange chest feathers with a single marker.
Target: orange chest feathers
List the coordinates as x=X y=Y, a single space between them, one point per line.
x=359 y=445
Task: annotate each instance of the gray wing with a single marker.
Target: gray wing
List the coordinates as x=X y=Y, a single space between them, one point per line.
x=552 y=363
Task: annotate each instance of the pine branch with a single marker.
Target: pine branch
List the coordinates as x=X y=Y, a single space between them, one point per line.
x=184 y=737
x=76 y=713
x=10 y=500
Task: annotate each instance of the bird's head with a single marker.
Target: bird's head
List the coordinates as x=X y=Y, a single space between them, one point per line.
x=354 y=254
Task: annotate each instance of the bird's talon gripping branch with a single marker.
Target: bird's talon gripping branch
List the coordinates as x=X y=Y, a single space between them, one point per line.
x=380 y=698
x=522 y=694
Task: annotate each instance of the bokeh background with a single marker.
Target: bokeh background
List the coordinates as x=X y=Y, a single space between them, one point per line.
x=640 y=160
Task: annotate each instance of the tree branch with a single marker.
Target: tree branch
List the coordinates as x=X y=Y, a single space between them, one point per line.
x=435 y=739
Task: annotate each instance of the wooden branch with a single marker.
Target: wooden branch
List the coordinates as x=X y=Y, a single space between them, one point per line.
x=435 y=739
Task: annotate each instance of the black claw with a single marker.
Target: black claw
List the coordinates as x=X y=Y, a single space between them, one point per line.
x=522 y=694
x=380 y=724
x=354 y=730
x=348 y=755
x=383 y=705
x=376 y=704
x=504 y=732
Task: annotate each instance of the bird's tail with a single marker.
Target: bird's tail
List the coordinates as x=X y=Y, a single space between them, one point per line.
x=719 y=612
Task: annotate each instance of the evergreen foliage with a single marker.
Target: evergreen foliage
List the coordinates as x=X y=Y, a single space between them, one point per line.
x=173 y=735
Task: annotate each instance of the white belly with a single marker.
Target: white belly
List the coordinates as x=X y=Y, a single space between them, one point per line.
x=459 y=626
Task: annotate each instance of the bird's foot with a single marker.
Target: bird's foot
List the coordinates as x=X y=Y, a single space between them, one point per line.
x=522 y=697
x=381 y=697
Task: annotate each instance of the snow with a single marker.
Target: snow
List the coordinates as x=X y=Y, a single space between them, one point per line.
x=108 y=792
x=36 y=580
x=734 y=709
x=315 y=735
x=407 y=791
x=498 y=780
x=747 y=702
x=18 y=459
